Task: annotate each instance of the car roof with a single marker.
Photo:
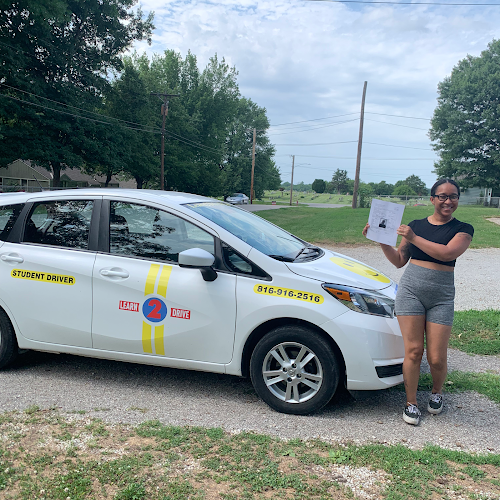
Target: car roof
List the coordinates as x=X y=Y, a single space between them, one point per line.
x=170 y=197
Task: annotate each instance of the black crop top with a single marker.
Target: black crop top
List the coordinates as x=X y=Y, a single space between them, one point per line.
x=442 y=234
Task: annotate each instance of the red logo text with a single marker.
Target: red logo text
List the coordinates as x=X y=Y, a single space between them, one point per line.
x=129 y=306
x=180 y=313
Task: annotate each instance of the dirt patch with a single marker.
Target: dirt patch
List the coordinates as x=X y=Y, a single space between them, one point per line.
x=496 y=220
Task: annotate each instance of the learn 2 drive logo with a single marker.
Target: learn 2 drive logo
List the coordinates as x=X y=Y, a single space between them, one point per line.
x=154 y=309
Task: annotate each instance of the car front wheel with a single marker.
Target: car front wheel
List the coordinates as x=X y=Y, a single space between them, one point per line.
x=294 y=370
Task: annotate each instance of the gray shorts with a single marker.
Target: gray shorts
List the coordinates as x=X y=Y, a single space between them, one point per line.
x=426 y=292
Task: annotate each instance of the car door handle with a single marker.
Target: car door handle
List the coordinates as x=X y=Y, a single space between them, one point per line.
x=12 y=258
x=114 y=273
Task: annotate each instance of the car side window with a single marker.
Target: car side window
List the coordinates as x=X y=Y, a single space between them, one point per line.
x=237 y=263
x=8 y=217
x=64 y=223
x=142 y=231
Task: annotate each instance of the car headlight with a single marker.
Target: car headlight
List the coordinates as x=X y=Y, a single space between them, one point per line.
x=362 y=301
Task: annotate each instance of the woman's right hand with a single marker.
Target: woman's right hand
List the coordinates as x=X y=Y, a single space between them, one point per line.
x=365 y=229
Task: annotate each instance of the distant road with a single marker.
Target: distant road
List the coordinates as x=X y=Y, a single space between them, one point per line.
x=258 y=208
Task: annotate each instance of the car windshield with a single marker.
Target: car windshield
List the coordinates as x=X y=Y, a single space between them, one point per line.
x=252 y=229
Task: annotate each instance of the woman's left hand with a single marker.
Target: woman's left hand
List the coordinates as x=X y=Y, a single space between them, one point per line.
x=406 y=232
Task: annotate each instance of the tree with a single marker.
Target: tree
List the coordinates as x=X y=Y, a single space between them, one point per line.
x=318 y=186
x=129 y=102
x=339 y=181
x=466 y=121
x=365 y=192
x=417 y=184
x=60 y=52
x=236 y=174
x=209 y=127
x=382 y=188
x=404 y=190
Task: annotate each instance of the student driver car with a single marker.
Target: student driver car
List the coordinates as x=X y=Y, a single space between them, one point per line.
x=184 y=281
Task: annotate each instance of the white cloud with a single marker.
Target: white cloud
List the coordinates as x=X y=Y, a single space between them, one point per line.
x=304 y=60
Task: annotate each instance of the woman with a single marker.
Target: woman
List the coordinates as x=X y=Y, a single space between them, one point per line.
x=424 y=300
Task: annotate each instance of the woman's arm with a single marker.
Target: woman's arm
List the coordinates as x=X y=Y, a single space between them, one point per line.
x=456 y=247
x=400 y=256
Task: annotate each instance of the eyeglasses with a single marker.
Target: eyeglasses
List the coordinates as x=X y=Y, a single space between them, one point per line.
x=444 y=197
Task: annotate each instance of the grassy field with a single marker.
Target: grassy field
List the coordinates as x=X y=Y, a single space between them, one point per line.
x=302 y=197
x=476 y=332
x=48 y=455
x=343 y=226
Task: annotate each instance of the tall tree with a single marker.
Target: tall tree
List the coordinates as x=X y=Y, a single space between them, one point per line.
x=209 y=127
x=416 y=184
x=55 y=60
x=339 y=181
x=466 y=121
x=382 y=188
x=319 y=186
x=236 y=174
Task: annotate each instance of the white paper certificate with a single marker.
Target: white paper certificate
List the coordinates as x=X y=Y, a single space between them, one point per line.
x=384 y=220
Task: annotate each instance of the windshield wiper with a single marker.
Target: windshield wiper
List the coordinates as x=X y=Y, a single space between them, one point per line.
x=307 y=251
x=282 y=258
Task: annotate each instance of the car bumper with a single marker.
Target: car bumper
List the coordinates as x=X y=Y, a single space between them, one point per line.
x=372 y=348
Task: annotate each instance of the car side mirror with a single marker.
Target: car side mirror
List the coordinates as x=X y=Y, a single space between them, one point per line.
x=198 y=258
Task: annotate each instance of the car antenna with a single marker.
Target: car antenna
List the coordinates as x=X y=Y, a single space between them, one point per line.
x=38 y=182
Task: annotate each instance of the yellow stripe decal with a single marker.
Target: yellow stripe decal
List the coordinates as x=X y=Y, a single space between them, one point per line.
x=159 y=347
x=151 y=279
x=146 y=338
x=163 y=283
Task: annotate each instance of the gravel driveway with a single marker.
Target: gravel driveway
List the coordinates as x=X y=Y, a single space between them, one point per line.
x=123 y=392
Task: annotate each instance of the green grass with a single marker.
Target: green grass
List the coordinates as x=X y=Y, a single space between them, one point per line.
x=159 y=462
x=486 y=384
x=343 y=226
x=476 y=332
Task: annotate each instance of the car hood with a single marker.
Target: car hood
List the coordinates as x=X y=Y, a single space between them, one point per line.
x=339 y=269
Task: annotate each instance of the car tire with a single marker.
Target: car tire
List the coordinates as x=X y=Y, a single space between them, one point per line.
x=8 y=342
x=294 y=370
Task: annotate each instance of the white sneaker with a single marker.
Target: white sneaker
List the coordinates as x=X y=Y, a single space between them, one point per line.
x=411 y=414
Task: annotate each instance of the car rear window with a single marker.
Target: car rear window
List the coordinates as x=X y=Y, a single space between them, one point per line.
x=8 y=217
x=64 y=223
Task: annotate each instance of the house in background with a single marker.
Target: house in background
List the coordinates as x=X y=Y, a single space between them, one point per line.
x=21 y=176
x=478 y=196
x=24 y=175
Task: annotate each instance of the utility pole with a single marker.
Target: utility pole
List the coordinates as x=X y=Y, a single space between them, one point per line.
x=253 y=163
x=164 y=113
x=360 y=143
x=291 y=186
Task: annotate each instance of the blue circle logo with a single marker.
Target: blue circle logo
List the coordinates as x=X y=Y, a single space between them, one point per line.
x=154 y=310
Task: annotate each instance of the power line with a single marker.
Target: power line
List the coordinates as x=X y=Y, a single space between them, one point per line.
x=157 y=131
x=396 y=124
x=72 y=114
x=370 y=159
x=317 y=144
x=77 y=108
x=315 y=119
x=397 y=116
x=397 y=146
x=314 y=128
x=408 y=3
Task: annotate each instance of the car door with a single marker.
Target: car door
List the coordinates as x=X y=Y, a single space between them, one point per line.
x=144 y=303
x=46 y=276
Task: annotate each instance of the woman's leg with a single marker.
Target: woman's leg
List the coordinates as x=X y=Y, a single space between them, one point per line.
x=412 y=329
x=437 y=337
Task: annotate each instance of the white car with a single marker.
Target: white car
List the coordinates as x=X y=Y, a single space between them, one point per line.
x=183 y=281
x=237 y=199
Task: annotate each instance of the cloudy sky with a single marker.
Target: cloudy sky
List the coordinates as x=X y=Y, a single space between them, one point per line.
x=307 y=60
